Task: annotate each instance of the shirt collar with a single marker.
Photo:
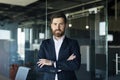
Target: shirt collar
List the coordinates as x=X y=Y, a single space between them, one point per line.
x=61 y=39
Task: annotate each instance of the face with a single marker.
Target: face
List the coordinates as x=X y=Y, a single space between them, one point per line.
x=58 y=27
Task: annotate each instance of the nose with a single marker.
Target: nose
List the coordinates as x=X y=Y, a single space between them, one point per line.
x=58 y=26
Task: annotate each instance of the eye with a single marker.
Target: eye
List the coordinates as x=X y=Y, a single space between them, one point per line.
x=61 y=24
x=55 y=23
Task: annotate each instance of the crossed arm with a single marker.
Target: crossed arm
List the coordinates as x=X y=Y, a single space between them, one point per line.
x=70 y=64
x=43 y=62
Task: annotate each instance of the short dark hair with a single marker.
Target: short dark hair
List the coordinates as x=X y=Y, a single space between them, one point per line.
x=58 y=15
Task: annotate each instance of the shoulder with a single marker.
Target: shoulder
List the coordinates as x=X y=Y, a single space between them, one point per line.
x=73 y=43
x=46 y=41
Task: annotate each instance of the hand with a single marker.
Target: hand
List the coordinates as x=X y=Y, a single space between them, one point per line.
x=73 y=56
x=43 y=62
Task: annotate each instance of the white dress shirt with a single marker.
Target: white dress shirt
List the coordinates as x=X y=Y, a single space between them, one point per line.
x=58 y=44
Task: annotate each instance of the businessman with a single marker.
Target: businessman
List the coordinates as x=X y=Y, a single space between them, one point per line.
x=59 y=57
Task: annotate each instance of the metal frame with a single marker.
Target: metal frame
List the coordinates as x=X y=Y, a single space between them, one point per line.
x=117 y=63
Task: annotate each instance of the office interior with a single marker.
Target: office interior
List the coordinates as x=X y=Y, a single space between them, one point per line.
x=24 y=24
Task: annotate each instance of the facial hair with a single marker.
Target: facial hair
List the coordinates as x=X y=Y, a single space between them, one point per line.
x=58 y=33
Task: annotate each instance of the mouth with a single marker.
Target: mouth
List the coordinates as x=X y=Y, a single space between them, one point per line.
x=57 y=30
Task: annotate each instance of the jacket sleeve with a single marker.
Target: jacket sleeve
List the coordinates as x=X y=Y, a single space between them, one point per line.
x=72 y=64
x=41 y=55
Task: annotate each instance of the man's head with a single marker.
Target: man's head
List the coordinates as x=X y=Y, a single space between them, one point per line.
x=58 y=24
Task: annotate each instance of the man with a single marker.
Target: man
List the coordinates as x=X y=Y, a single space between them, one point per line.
x=59 y=56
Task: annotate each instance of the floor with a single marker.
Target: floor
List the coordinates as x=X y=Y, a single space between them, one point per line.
x=115 y=77
x=3 y=78
x=82 y=73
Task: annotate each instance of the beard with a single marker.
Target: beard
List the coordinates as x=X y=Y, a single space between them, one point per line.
x=58 y=33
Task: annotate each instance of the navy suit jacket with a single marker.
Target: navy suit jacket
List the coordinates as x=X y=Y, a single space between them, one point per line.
x=68 y=47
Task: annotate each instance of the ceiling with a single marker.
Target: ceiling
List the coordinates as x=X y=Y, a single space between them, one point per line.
x=18 y=2
x=23 y=10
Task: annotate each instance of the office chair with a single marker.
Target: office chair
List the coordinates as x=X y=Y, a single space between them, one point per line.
x=22 y=73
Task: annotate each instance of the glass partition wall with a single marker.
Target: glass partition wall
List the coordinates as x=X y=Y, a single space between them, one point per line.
x=89 y=27
x=87 y=23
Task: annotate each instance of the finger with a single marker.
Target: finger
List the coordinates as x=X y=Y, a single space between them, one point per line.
x=41 y=65
x=38 y=62
x=72 y=55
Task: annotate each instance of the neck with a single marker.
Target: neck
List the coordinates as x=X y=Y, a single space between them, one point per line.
x=57 y=38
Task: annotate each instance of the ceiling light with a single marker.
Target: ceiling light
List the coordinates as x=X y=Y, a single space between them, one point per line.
x=87 y=27
x=18 y=2
x=70 y=25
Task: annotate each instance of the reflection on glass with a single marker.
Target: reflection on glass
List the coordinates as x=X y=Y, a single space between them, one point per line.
x=21 y=43
x=102 y=28
x=5 y=34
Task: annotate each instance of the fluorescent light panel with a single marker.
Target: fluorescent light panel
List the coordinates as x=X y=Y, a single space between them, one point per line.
x=18 y=2
x=102 y=28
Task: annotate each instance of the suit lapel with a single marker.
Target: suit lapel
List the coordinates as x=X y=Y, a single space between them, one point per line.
x=62 y=48
x=52 y=49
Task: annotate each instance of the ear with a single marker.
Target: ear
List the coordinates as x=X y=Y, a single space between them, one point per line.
x=50 y=24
